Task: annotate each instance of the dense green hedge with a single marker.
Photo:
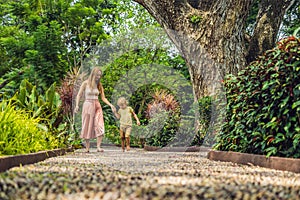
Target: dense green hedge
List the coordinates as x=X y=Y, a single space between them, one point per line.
x=263 y=105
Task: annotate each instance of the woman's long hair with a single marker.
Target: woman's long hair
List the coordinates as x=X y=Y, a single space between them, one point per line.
x=92 y=76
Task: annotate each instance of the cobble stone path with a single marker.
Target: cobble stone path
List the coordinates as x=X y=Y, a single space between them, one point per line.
x=140 y=174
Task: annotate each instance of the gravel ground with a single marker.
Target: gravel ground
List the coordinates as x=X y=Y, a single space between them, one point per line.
x=139 y=174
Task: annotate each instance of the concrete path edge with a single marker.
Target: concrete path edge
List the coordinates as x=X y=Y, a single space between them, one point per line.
x=177 y=149
x=278 y=163
x=7 y=162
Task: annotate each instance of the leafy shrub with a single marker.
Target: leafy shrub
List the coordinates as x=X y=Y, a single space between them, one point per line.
x=163 y=115
x=68 y=91
x=167 y=126
x=20 y=133
x=162 y=100
x=263 y=109
x=45 y=107
x=112 y=134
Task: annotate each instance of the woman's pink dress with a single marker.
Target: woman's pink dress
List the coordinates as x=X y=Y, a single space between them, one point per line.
x=92 y=119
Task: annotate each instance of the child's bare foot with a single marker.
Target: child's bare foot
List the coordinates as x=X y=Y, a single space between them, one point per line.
x=128 y=148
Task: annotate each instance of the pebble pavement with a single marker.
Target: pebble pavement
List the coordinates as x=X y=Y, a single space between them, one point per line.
x=139 y=174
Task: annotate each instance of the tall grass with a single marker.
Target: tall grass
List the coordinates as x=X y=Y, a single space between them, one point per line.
x=20 y=133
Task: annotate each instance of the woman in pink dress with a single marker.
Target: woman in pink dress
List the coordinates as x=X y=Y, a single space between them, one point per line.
x=92 y=115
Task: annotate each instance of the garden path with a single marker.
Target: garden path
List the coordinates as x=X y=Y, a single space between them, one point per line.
x=140 y=174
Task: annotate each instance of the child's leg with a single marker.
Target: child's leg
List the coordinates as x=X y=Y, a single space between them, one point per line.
x=127 y=136
x=123 y=143
x=127 y=143
x=122 y=136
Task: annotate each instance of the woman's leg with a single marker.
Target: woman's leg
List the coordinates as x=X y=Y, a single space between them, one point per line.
x=99 y=141
x=87 y=145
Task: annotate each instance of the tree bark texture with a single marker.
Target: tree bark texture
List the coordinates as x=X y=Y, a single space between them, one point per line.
x=210 y=34
x=268 y=20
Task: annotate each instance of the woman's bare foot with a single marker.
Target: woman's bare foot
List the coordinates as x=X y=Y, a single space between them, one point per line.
x=100 y=150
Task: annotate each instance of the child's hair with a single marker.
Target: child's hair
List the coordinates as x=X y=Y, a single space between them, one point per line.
x=122 y=101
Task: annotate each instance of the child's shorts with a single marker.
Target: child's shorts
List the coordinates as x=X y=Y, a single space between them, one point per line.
x=125 y=131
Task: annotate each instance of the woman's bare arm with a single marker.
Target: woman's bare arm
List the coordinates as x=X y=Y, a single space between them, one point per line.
x=82 y=88
x=103 y=98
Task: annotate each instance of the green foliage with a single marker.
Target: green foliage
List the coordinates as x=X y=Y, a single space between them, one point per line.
x=263 y=110
x=195 y=19
x=84 y=22
x=42 y=39
x=46 y=56
x=161 y=130
x=13 y=44
x=251 y=19
x=112 y=134
x=129 y=15
x=205 y=117
x=44 y=107
x=21 y=133
x=163 y=113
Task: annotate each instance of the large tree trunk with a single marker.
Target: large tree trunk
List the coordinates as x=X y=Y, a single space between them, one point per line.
x=210 y=35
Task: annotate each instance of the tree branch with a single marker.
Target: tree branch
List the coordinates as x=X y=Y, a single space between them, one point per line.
x=268 y=21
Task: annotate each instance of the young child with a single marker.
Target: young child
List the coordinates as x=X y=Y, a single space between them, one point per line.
x=125 y=114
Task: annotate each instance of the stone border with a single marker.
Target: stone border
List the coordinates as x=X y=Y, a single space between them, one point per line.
x=7 y=162
x=279 y=163
x=177 y=149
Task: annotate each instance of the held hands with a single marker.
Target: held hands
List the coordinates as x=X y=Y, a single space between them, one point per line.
x=114 y=110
